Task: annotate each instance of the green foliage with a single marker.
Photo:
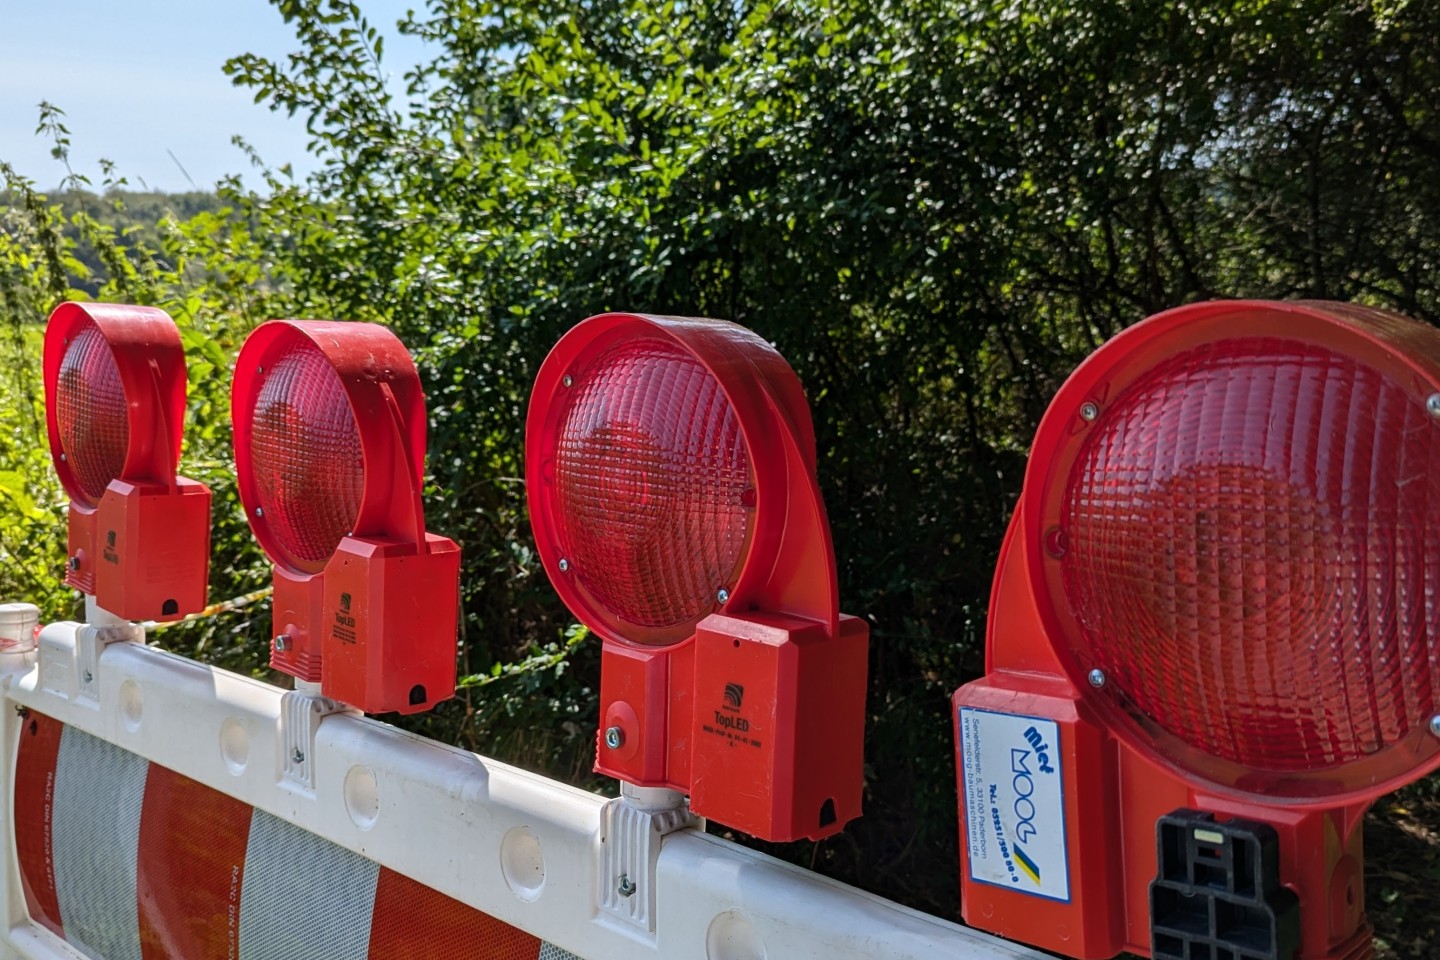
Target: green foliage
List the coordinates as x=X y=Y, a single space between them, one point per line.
x=933 y=208
x=1402 y=867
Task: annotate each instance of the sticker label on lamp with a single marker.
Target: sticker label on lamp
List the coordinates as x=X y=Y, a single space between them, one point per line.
x=1014 y=802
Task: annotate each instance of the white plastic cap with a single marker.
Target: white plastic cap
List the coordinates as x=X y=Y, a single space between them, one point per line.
x=17 y=627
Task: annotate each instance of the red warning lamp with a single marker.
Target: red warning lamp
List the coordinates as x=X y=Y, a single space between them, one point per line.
x=330 y=453
x=1213 y=638
x=670 y=466
x=139 y=538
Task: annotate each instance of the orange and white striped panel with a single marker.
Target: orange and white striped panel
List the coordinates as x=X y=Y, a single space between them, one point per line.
x=127 y=860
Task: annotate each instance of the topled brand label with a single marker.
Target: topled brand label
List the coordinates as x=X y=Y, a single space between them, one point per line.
x=1014 y=802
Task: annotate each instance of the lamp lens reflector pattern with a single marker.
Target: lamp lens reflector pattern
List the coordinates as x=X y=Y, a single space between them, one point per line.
x=308 y=467
x=91 y=413
x=1248 y=544
x=654 y=486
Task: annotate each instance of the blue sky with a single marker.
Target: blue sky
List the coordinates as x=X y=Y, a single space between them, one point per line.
x=138 y=77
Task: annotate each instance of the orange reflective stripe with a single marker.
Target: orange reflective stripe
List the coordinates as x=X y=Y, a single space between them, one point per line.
x=414 y=922
x=34 y=807
x=191 y=864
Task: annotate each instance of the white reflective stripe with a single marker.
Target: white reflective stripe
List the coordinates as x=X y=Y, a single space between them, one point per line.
x=548 y=951
x=303 y=898
x=99 y=791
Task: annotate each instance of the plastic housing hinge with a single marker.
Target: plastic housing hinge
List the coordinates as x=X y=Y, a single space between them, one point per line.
x=301 y=711
x=632 y=828
x=1218 y=893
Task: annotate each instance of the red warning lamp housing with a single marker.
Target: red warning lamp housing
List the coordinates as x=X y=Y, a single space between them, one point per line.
x=670 y=467
x=330 y=453
x=139 y=538
x=1213 y=641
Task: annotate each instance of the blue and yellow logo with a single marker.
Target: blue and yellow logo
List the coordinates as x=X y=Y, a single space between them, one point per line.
x=1031 y=868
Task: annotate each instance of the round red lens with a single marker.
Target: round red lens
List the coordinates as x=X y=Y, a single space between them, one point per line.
x=1249 y=550
x=655 y=495
x=309 y=472
x=91 y=414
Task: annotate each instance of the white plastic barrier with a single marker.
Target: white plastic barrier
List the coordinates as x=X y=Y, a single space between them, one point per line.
x=327 y=813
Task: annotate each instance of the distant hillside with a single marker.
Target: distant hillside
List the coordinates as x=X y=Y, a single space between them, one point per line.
x=130 y=213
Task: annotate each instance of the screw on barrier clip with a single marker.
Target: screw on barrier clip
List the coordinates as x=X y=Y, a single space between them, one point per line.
x=69 y=657
x=632 y=829
x=301 y=711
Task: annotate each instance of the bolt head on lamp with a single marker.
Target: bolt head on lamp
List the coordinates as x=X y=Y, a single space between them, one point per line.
x=670 y=469
x=139 y=535
x=1222 y=563
x=329 y=430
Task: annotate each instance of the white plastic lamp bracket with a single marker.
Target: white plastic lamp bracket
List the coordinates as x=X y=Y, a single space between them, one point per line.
x=632 y=827
x=90 y=642
x=301 y=711
x=69 y=654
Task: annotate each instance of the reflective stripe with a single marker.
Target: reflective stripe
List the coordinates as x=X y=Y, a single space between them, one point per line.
x=33 y=807
x=303 y=897
x=192 y=857
x=414 y=922
x=213 y=878
x=95 y=841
